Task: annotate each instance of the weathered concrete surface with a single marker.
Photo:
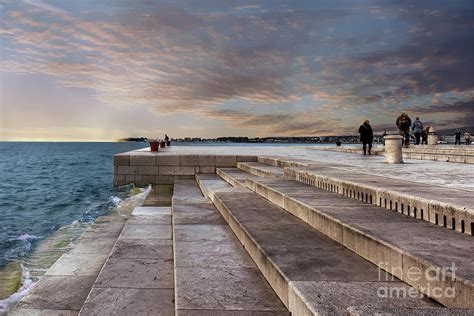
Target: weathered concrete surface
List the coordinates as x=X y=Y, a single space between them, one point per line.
x=186 y=191
x=446 y=207
x=437 y=174
x=335 y=298
x=224 y=288
x=260 y=170
x=62 y=293
x=214 y=274
x=138 y=277
x=42 y=312
x=121 y=301
x=402 y=311
x=434 y=172
x=442 y=206
x=395 y=243
x=393 y=149
x=144 y=167
x=137 y=274
x=235 y=177
x=130 y=248
x=285 y=249
x=78 y=264
x=151 y=211
x=446 y=153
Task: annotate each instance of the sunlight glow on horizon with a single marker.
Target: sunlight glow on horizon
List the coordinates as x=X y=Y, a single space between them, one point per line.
x=103 y=71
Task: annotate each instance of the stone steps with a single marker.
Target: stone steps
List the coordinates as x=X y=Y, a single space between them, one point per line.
x=311 y=273
x=213 y=273
x=235 y=177
x=117 y=266
x=138 y=275
x=395 y=243
x=450 y=208
x=63 y=289
x=260 y=170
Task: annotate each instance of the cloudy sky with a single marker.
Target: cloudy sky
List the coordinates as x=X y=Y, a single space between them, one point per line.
x=101 y=70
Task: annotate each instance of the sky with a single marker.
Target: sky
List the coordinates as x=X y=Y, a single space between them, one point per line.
x=90 y=70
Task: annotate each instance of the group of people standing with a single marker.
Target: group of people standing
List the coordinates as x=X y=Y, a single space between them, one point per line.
x=457 y=137
x=404 y=124
x=421 y=134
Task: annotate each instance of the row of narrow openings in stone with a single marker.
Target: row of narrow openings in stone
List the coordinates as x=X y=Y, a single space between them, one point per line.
x=453 y=223
x=388 y=204
x=421 y=216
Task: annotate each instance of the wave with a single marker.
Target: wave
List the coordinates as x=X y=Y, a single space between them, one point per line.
x=26 y=237
x=115 y=200
x=30 y=268
x=25 y=286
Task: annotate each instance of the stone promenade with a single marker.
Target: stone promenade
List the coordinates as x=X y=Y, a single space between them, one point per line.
x=267 y=230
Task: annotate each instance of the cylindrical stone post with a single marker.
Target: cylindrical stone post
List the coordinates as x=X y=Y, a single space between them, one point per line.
x=432 y=136
x=393 y=149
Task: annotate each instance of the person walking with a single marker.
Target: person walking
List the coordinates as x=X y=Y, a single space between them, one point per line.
x=403 y=124
x=417 y=129
x=424 y=135
x=457 y=137
x=366 y=136
x=467 y=138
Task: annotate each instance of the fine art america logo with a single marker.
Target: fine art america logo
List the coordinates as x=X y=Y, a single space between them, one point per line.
x=433 y=278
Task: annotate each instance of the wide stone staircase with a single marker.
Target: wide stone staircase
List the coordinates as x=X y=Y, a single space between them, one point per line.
x=431 y=259
x=275 y=237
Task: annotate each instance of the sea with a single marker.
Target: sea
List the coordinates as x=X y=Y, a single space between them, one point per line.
x=50 y=192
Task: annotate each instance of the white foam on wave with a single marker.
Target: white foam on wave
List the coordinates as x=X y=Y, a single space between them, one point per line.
x=115 y=200
x=26 y=237
x=27 y=282
x=26 y=285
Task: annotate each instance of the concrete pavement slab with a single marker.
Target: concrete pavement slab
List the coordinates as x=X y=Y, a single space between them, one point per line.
x=141 y=248
x=122 y=301
x=137 y=273
x=58 y=293
x=78 y=264
x=146 y=231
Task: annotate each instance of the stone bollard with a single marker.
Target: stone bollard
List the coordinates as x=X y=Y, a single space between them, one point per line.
x=393 y=149
x=432 y=136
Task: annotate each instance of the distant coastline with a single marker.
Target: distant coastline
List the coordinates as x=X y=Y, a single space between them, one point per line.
x=262 y=140
x=446 y=136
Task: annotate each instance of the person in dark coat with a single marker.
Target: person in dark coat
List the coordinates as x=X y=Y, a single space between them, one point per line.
x=424 y=135
x=457 y=137
x=403 y=124
x=366 y=136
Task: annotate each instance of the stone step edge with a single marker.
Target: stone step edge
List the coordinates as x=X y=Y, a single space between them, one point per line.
x=254 y=170
x=279 y=162
x=112 y=251
x=408 y=153
x=437 y=212
x=443 y=214
x=286 y=290
x=277 y=280
x=351 y=238
x=228 y=178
